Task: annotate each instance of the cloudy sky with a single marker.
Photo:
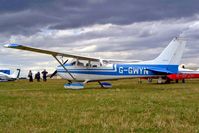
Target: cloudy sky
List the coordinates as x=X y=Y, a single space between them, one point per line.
x=117 y=29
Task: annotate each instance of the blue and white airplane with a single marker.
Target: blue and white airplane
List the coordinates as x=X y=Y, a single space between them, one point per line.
x=80 y=69
x=7 y=75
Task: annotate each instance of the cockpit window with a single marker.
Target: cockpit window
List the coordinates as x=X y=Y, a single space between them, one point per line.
x=78 y=63
x=73 y=63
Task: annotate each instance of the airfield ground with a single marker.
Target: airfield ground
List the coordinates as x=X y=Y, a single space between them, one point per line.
x=127 y=107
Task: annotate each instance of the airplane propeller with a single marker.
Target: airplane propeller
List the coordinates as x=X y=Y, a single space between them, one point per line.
x=53 y=74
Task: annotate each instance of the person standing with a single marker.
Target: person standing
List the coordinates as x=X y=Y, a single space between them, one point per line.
x=183 y=80
x=37 y=76
x=44 y=75
x=30 y=76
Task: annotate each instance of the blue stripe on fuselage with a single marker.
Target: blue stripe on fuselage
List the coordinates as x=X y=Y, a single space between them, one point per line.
x=124 y=69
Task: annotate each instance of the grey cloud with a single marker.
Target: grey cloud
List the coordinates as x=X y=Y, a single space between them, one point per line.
x=128 y=11
x=64 y=14
x=115 y=37
x=134 y=27
x=24 y=22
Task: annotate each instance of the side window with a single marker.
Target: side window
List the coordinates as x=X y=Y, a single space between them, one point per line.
x=95 y=64
x=88 y=65
x=84 y=63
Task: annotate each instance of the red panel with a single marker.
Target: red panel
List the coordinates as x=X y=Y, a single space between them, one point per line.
x=182 y=76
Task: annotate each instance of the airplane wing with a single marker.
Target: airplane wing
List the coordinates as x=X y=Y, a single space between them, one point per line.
x=53 y=53
x=121 y=61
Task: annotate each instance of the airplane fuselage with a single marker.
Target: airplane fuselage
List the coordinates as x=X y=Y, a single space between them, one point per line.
x=112 y=71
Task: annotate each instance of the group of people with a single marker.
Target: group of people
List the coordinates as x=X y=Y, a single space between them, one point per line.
x=37 y=76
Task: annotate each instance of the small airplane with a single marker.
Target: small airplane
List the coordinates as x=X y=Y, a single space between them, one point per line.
x=183 y=74
x=81 y=69
x=5 y=75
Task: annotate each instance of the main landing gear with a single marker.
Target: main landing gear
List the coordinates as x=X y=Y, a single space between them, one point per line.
x=105 y=84
x=74 y=85
x=81 y=85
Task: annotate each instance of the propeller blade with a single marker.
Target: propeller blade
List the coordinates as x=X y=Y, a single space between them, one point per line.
x=54 y=73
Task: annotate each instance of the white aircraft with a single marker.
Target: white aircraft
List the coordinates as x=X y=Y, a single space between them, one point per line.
x=80 y=69
x=5 y=75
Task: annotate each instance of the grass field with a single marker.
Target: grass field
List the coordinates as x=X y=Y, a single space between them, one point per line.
x=127 y=107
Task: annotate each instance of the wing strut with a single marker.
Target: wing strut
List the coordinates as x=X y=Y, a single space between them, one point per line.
x=64 y=67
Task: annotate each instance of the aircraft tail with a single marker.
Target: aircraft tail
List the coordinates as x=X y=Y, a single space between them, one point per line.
x=172 y=54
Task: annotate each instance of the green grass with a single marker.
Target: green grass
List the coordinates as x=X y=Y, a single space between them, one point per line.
x=127 y=107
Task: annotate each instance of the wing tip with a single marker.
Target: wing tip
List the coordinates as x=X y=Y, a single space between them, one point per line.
x=11 y=45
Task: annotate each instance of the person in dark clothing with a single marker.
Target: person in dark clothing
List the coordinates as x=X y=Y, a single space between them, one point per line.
x=30 y=76
x=183 y=80
x=44 y=75
x=37 y=76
